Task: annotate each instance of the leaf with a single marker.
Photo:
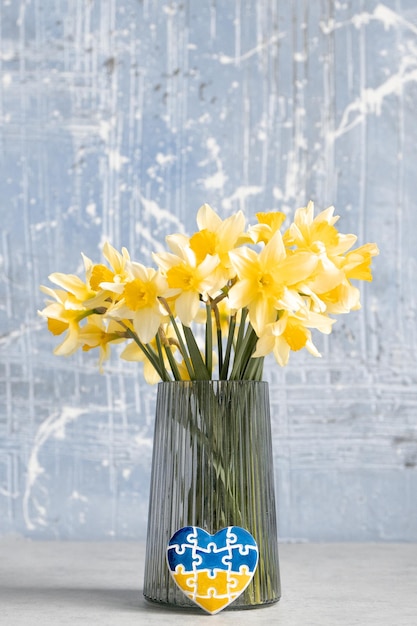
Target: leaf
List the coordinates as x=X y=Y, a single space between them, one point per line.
x=200 y=369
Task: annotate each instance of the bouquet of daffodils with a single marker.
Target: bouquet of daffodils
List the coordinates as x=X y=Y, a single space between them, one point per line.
x=217 y=302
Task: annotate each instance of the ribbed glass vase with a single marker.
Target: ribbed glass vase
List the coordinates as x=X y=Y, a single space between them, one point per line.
x=212 y=467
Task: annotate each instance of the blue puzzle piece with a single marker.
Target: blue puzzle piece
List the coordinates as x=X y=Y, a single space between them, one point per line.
x=213 y=559
x=185 y=557
x=186 y=535
x=241 y=556
x=204 y=539
x=243 y=537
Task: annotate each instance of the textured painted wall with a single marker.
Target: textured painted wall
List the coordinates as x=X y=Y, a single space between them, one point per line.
x=118 y=120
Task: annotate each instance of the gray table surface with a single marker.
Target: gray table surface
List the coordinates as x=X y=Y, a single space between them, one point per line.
x=100 y=583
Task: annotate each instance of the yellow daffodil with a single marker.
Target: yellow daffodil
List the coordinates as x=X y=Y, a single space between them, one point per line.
x=319 y=236
x=140 y=300
x=215 y=237
x=96 y=334
x=291 y=332
x=267 y=226
x=107 y=283
x=357 y=263
x=63 y=314
x=265 y=281
x=342 y=299
x=190 y=280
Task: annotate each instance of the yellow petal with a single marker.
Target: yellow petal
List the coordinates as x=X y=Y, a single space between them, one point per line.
x=71 y=283
x=261 y=313
x=298 y=267
x=132 y=352
x=187 y=305
x=244 y=260
x=274 y=251
x=57 y=327
x=146 y=323
x=281 y=351
x=264 y=345
x=117 y=261
x=207 y=218
x=70 y=344
x=240 y=294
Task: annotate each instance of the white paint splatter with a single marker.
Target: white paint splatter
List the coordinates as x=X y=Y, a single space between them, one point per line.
x=218 y=179
x=161 y=215
x=105 y=128
x=300 y=57
x=77 y=496
x=6 y=80
x=240 y=195
x=33 y=512
x=24 y=329
x=370 y=101
x=381 y=13
x=227 y=60
x=143 y=442
x=116 y=160
x=90 y=209
x=165 y=159
x=44 y=225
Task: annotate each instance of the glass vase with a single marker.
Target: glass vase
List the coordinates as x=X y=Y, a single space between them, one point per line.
x=212 y=468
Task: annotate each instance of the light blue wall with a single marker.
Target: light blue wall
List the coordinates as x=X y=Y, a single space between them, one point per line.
x=118 y=120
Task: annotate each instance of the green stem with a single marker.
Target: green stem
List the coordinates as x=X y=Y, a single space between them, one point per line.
x=244 y=350
x=226 y=362
x=241 y=330
x=166 y=377
x=182 y=346
x=254 y=369
x=220 y=349
x=209 y=340
x=172 y=362
x=147 y=350
x=219 y=335
x=200 y=369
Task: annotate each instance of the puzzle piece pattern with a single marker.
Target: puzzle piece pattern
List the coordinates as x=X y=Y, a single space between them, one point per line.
x=212 y=570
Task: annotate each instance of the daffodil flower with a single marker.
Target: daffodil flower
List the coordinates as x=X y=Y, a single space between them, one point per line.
x=291 y=333
x=139 y=300
x=266 y=279
x=267 y=226
x=215 y=237
x=96 y=334
x=190 y=280
x=105 y=281
x=317 y=234
x=356 y=264
x=63 y=314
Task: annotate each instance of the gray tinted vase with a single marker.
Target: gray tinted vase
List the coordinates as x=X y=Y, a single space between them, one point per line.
x=212 y=467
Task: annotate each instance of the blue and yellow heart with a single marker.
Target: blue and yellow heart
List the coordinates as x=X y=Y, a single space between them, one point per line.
x=212 y=570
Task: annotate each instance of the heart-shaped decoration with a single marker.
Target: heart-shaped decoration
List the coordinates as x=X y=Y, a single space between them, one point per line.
x=212 y=570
